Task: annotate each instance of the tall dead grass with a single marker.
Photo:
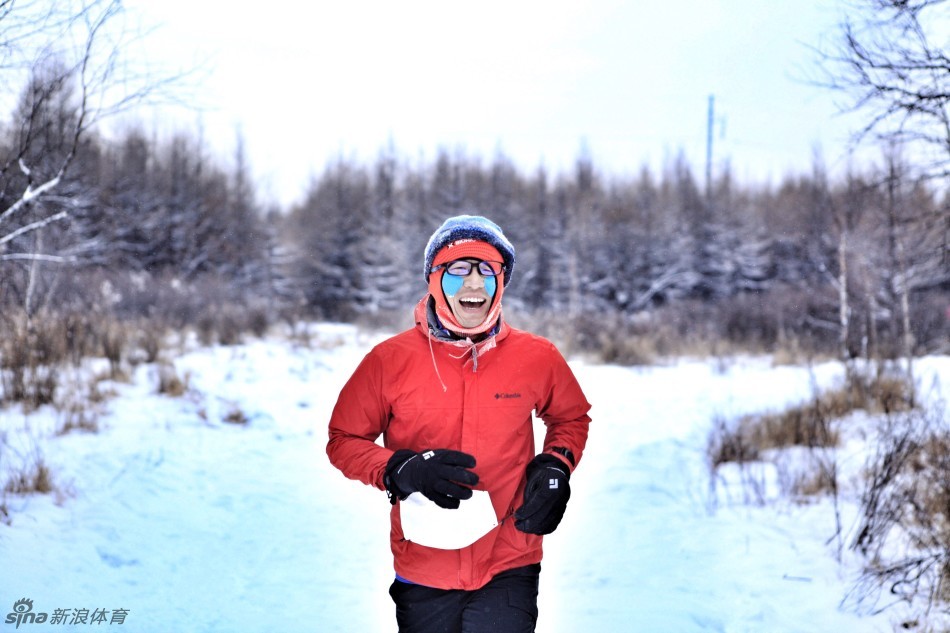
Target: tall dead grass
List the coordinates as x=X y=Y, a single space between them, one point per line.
x=903 y=525
x=904 y=520
x=690 y=328
x=31 y=352
x=811 y=424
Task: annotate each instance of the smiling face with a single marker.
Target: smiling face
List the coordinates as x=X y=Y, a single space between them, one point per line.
x=467 y=303
x=469 y=297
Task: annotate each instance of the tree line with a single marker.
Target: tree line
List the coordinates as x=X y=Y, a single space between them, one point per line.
x=747 y=262
x=859 y=263
x=161 y=228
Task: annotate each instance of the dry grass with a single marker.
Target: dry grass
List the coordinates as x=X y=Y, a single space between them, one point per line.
x=114 y=340
x=258 y=321
x=33 y=477
x=235 y=415
x=903 y=523
x=30 y=353
x=226 y=324
x=151 y=340
x=904 y=527
x=811 y=424
x=79 y=414
x=728 y=444
x=34 y=351
x=693 y=329
x=753 y=435
x=170 y=383
x=818 y=477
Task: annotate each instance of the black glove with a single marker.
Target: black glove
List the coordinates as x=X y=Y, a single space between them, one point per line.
x=441 y=475
x=545 y=495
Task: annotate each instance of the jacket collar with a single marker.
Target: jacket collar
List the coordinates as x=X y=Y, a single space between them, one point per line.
x=429 y=325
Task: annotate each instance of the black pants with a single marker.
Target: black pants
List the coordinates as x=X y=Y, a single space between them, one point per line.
x=507 y=604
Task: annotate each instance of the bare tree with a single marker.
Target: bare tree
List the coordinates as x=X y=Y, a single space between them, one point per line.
x=74 y=56
x=892 y=65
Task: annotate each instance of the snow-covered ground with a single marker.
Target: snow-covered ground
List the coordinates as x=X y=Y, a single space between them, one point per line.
x=192 y=523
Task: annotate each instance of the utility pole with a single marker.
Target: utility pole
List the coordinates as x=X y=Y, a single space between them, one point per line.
x=709 y=150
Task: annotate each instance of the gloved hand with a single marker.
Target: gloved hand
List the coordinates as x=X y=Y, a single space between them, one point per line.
x=442 y=475
x=545 y=495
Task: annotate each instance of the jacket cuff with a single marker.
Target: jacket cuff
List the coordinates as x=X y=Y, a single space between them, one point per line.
x=564 y=454
x=392 y=490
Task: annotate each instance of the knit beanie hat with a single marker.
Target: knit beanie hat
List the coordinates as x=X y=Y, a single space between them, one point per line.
x=460 y=237
x=463 y=232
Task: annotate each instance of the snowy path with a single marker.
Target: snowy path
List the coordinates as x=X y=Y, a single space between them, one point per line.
x=653 y=555
x=193 y=524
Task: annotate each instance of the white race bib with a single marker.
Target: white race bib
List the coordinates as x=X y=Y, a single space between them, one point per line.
x=425 y=523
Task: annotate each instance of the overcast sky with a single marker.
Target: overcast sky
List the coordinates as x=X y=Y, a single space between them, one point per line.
x=305 y=82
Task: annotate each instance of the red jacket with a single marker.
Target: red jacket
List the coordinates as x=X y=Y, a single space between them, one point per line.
x=486 y=411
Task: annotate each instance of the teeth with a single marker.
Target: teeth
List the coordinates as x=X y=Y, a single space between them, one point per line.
x=472 y=300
